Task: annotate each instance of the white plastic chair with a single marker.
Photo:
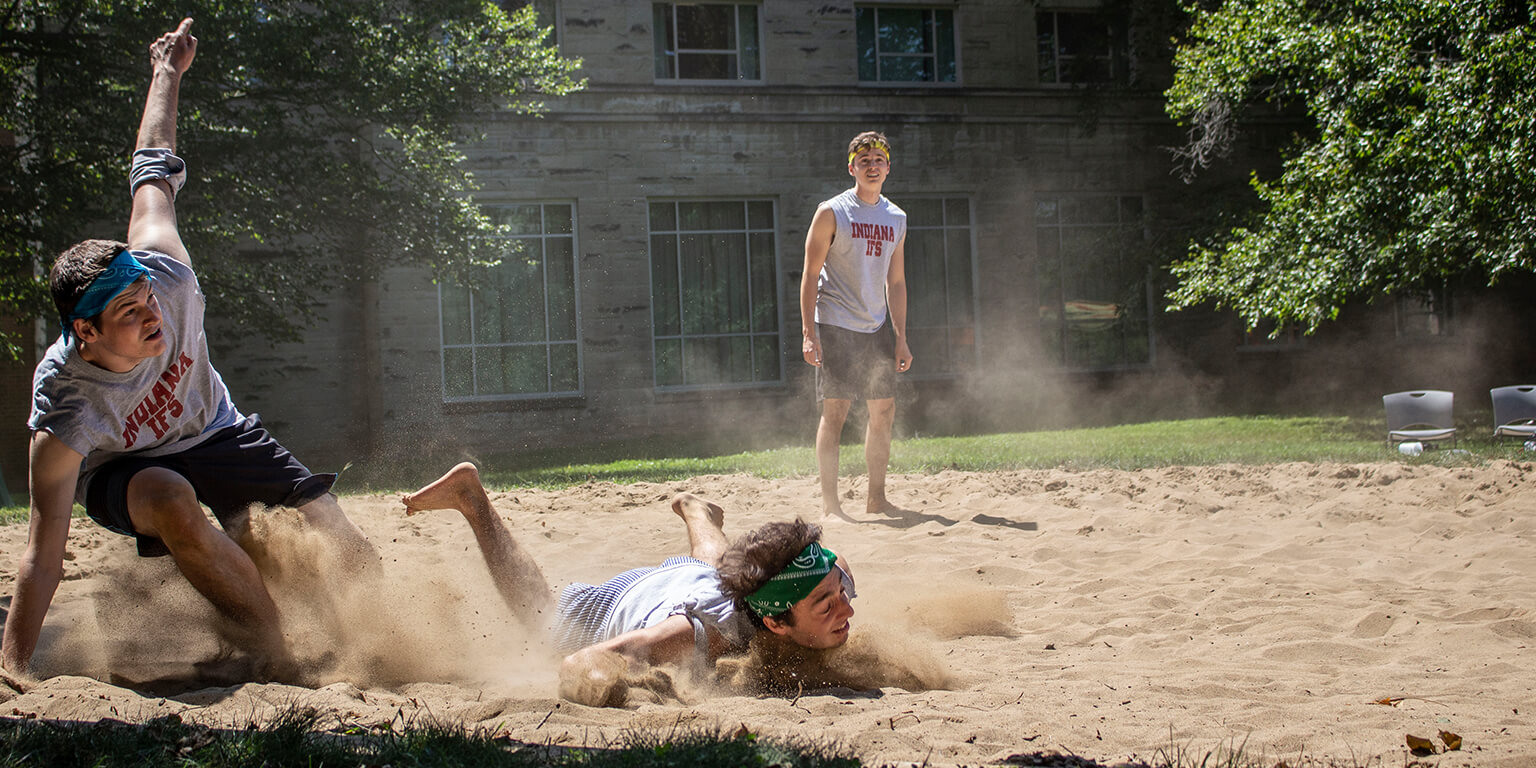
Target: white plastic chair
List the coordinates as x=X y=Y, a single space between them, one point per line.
x=1514 y=411
x=1420 y=416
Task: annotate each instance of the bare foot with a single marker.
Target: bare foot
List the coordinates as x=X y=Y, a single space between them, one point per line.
x=880 y=506
x=688 y=506
x=454 y=490
x=832 y=510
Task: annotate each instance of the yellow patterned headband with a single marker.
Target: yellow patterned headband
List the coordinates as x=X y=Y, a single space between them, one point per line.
x=880 y=145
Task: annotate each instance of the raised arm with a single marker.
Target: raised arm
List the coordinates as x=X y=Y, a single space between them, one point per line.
x=54 y=468
x=817 y=242
x=152 y=224
x=896 y=300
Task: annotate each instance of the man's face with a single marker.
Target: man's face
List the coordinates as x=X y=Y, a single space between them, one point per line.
x=127 y=331
x=870 y=166
x=820 y=618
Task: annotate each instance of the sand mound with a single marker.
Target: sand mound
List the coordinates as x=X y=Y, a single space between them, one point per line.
x=1302 y=609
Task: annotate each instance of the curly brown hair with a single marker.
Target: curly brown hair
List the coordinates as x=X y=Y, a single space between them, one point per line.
x=760 y=554
x=75 y=270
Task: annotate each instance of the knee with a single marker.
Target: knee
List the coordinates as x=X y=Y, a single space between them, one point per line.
x=162 y=503
x=882 y=410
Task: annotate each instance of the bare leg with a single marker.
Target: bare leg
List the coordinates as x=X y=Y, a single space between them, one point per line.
x=516 y=575
x=354 y=551
x=706 y=527
x=162 y=504
x=829 y=433
x=877 y=453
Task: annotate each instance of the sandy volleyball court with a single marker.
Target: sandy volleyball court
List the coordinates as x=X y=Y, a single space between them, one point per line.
x=1324 y=610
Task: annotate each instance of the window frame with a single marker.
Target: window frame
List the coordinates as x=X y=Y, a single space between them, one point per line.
x=682 y=335
x=659 y=52
x=972 y=364
x=474 y=346
x=954 y=44
x=1058 y=357
x=1112 y=56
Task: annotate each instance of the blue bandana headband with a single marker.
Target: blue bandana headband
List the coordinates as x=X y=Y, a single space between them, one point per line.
x=124 y=270
x=794 y=583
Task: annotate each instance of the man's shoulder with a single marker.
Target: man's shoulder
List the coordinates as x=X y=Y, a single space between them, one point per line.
x=892 y=208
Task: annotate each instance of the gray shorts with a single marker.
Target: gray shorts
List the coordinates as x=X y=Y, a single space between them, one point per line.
x=237 y=467
x=856 y=366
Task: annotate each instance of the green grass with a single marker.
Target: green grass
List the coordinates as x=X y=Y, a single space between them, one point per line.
x=1221 y=440
x=299 y=738
x=1237 y=440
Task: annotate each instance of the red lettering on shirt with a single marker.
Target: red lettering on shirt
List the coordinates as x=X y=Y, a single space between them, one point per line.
x=162 y=400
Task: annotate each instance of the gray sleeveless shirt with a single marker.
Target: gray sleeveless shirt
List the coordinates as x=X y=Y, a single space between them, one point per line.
x=850 y=293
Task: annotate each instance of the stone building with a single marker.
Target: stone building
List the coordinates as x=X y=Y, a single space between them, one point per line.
x=663 y=209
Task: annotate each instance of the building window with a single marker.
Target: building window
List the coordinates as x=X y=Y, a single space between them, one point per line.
x=714 y=294
x=515 y=334
x=707 y=41
x=902 y=44
x=1424 y=313
x=1077 y=47
x=1093 y=280
x=941 y=295
x=546 y=12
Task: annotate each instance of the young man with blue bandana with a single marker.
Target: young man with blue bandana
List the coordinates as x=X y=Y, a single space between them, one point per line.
x=130 y=418
x=774 y=585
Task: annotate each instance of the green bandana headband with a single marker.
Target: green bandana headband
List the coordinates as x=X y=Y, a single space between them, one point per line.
x=797 y=580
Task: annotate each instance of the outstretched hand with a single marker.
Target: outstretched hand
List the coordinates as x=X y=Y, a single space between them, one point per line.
x=174 y=50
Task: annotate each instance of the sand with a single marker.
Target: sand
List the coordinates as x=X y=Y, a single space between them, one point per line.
x=1325 y=611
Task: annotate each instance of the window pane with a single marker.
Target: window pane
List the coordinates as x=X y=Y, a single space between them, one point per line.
x=664 y=289
x=738 y=363
x=523 y=219
x=458 y=372
x=957 y=212
x=454 y=301
x=944 y=41
x=707 y=27
x=765 y=289
x=1090 y=210
x=913 y=69
x=524 y=370
x=765 y=357
x=706 y=66
x=489 y=376
x=958 y=276
x=760 y=214
x=1046 y=211
x=661 y=40
x=663 y=217
x=903 y=30
x=522 y=291
x=564 y=370
x=923 y=213
x=746 y=16
x=560 y=282
x=869 y=67
x=669 y=362
x=557 y=219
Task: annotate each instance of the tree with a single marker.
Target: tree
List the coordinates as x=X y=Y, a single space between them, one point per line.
x=1416 y=163
x=321 y=136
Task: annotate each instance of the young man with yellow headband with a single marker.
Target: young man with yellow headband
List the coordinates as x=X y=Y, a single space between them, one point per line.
x=853 y=310
x=130 y=418
x=775 y=584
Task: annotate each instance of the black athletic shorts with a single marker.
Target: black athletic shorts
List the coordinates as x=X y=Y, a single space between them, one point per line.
x=238 y=466
x=856 y=366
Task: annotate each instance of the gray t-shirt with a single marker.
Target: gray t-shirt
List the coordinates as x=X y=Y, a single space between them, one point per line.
x=164 y=405
x=850 y=293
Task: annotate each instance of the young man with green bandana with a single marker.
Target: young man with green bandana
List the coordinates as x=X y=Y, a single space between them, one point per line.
x=130 y=418
x=775 y=584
